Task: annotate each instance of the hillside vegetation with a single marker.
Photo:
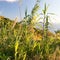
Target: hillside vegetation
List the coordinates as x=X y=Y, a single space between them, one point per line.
x=25 y=41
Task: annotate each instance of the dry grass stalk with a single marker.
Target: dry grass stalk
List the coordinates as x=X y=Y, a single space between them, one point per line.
x=14 y=23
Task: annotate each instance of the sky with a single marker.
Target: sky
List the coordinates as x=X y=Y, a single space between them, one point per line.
x=12 y=9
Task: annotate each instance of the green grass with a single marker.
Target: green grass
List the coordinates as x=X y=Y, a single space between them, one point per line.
x=18 y=44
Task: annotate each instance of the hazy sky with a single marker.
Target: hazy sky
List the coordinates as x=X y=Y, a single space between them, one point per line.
x=10 y=8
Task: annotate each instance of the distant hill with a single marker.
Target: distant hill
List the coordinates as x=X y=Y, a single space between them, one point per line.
x=6 y=22
x=9 y=24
